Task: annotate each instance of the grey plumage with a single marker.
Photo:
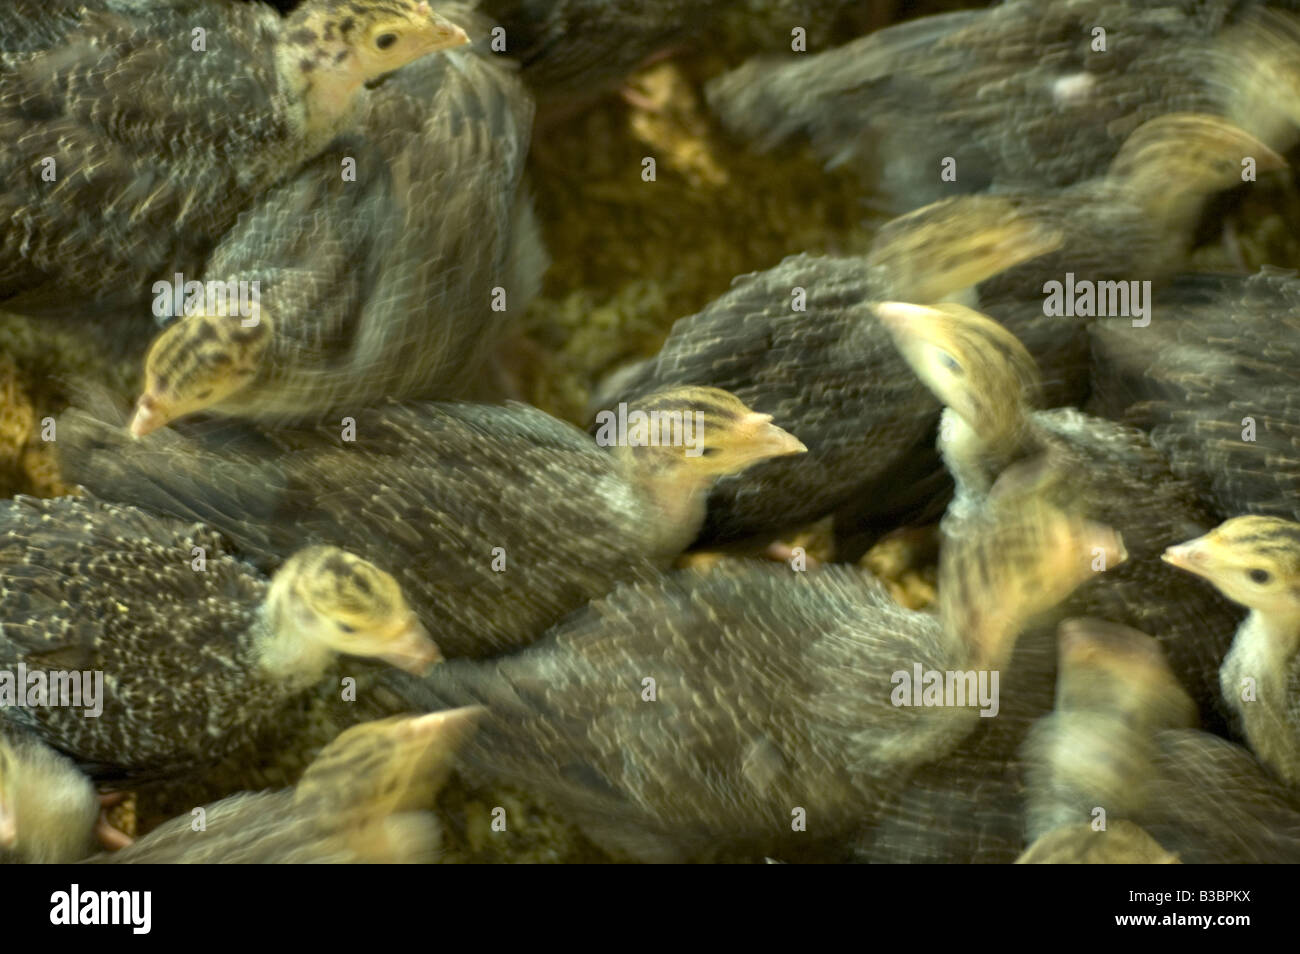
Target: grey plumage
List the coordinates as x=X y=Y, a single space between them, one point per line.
x=830 y=372
x=1112 y=474
x=382 y=287
x=771 y=693
x=1119 y=741
x=1024 y=94
x=1212 y=379
x=499 y=520
x=157 y=144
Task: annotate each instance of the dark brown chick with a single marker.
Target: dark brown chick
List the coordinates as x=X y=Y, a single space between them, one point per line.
x=702 y=712
x=157 y=144
x=379 y=286
x=1025 y=94
x=498 y=520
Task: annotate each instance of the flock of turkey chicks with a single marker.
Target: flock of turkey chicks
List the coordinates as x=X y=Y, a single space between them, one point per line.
x=321 y=553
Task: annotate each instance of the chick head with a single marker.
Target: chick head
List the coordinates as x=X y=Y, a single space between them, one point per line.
x=197 y=363
x=970 y=362
x=1022 y=557
x=336 y=46
x=941 y=251
x=1254 y=561
x=351 y=606
x=1172 y=163
x=390 y=765
x=697 y=431
x=1118 y=669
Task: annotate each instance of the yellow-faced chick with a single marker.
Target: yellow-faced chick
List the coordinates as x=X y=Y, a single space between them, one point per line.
x=198 y=362
x=151 y=603
x=987 y=380
x=1255 y=561
x=366 y=798
x=325 y=601
x=692 y=436
x=157 y=162
x=356 y=289
x=989 y=383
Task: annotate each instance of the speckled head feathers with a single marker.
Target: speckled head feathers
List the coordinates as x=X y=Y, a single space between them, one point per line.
x=1172 y=163
x=367 y=38
x=969 y=361
x=706 y=431
x=1254 y=561
x=390 y=765
x=351 y=606
x=196 y=363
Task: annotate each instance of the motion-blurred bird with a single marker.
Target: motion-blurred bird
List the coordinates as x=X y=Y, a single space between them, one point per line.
x=131 y=145
x=382 y=285
x=988 y=383
x=498 y=521
x=1212 y=378
x=366 y=799
x=1025 y=94
x=798 y=341
x=801 y=342
x=1114 y=693
x=194 y=647
x=1118 y=741
x=721 y=711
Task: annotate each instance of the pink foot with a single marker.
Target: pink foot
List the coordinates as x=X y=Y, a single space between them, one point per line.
x=109 y=836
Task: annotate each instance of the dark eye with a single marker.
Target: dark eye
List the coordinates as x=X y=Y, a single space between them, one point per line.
x=710 y=451
x=1260 y=576
x=949 y=362
x=345 y=628
x=385 y=40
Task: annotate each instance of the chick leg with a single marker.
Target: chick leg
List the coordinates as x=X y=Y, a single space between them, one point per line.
x=109 y=835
